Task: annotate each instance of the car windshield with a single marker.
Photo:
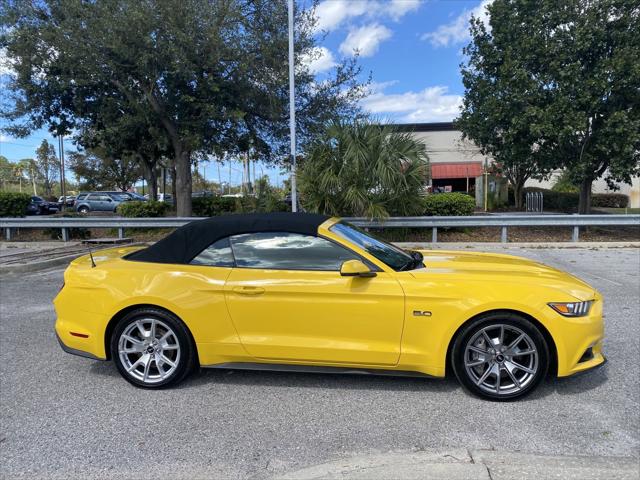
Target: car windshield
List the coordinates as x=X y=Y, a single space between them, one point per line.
x=391 y=255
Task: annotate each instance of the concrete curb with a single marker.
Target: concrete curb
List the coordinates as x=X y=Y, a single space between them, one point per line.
x=462 y=464
x=37 y=266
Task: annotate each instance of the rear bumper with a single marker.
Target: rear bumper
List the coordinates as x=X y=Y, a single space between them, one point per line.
x=75 y=351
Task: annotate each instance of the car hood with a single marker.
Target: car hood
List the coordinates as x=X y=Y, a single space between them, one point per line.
x=487 y=267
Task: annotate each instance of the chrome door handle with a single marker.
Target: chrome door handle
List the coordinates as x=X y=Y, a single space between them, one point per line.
x=248 y=290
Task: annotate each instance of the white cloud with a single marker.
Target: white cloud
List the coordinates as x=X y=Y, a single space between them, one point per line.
x=332 y=13
x=365 y=40
x=433 y=104
x=457 y=31
x=399 y=8
x=318 y=59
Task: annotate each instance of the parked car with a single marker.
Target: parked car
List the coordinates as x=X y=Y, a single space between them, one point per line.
x=39 y=206
x=201 y=194
x=67 y=201
x=309 y=292
x=165 y=197
x=98 y=201
x=136 y=196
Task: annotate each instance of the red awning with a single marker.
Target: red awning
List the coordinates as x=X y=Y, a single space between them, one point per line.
x=456 y=170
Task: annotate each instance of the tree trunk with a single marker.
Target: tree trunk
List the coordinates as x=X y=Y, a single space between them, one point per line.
x=183 y=183
x=518 y=188
x=151 y=177
x=584 y=205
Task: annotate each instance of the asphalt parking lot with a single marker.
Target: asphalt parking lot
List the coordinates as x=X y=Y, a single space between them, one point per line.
x=68 y=417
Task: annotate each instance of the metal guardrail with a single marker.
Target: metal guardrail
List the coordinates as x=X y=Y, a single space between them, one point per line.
x=502 y=221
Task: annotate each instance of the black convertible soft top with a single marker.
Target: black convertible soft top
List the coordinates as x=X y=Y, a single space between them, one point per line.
x=186 y=242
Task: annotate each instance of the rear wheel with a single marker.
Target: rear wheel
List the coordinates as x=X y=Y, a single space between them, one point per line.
x=152 y=348
x=500 y=356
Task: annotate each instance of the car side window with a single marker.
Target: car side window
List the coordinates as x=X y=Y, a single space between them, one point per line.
x=99 y=197
x=288 y=251
x=216 y=255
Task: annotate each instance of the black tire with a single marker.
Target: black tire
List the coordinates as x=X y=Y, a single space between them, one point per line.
x=512 y=323
x=186 y=348
x=83 y=210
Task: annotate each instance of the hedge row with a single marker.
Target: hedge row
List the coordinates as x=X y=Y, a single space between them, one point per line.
x=449 y=204
x=212 y=206
x=568 y=201
x=142 y=209
x=14 y=204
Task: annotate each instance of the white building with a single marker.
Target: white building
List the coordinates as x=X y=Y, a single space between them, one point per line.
x=456 y=163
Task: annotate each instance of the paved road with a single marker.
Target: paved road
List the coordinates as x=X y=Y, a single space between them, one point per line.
x=64 y=416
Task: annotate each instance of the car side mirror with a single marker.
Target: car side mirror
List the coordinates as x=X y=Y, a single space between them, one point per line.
x=355 y=268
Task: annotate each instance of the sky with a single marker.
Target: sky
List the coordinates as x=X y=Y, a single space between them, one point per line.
x=411 y=48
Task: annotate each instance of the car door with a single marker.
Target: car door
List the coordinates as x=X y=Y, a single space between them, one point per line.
x=94 y=200
x=289 y=302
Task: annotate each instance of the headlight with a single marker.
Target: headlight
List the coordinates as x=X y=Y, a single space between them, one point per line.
x=573 y=309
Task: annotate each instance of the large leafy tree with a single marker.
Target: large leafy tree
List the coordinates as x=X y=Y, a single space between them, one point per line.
x=504 y=105
x=554 y=85
x=212 y=74
x=48 y=166
x=364 y=169
x=7 y=172
x=96 y=169
x=593 y=70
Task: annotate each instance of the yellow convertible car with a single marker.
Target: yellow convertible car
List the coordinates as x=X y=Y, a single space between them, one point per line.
x=310 y=292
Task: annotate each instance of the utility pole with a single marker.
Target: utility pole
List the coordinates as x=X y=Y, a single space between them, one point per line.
x=486 y=185
x=292 y=112
x=62 y=181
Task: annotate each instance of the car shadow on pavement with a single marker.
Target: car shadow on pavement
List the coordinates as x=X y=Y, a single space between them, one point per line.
x=207 y=377
x=211 y=376
x=581 y=382
x=318 y=380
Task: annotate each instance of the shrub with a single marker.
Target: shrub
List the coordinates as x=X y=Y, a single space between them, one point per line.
x=609 y=200
x=565 y=183
x=13 y=204
x=552 y=200
x=449 y=204
x=142 y=209
x=213 y=206
x=568 y=201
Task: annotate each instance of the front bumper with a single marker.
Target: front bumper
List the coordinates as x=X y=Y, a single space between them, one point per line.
x=579 y=341
x=590 y=368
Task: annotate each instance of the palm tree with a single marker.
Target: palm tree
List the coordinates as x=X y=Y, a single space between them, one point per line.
x=364 y=169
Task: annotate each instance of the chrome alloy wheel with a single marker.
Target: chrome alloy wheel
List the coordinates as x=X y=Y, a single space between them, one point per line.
x=501 y=359
x=149 y=350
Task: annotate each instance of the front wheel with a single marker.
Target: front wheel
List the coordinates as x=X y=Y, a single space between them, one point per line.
x=500 y=356
x=152 y=348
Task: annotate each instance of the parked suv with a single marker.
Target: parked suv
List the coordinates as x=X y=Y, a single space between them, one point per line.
x=98 y=202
